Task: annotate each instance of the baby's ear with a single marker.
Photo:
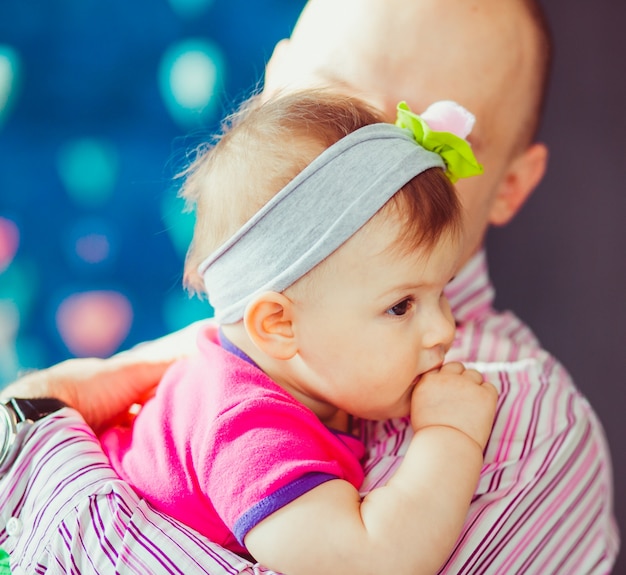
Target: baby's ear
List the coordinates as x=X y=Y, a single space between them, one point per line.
x=268 y=319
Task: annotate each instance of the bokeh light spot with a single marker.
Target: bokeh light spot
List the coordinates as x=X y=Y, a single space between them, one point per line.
x=88 y=169
x=179 y=224
x=93 y=248
x=9 y=324
x=91 y=242
x=179 y=310
x=189 y=8
x=19 y=284
x=190 y=77
x=9 y=320
x=9 y=77
x=94 y=323
x=9 y=242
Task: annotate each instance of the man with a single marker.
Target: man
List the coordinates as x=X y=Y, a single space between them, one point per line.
x=544 y=502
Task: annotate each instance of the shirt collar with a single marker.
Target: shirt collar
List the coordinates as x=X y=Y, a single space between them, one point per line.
x=229 y=346
x=471 y=293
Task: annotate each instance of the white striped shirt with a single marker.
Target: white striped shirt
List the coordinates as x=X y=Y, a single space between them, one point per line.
x=543 y=505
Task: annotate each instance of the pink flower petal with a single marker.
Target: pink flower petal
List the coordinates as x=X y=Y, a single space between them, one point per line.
x=448 y=116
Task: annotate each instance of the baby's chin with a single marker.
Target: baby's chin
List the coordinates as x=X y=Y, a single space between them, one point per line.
x=400 y=411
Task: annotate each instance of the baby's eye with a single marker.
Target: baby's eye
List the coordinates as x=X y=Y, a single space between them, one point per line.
x=401 y=308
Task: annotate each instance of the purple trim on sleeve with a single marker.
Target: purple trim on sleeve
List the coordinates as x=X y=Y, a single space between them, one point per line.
x=274 y=501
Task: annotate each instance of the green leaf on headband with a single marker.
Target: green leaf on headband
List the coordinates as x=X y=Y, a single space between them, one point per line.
x=456 y=152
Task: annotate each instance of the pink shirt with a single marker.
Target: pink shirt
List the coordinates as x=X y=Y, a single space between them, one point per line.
x=212 y=412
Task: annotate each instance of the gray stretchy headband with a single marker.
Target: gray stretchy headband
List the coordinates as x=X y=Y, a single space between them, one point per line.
x=314 y=214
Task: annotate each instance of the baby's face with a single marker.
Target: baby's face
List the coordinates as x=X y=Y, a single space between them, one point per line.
x=373 y=320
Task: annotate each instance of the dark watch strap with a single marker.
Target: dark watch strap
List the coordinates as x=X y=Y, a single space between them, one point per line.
x=35 y=409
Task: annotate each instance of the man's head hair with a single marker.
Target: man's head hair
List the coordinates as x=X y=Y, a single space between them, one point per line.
x=265 y=145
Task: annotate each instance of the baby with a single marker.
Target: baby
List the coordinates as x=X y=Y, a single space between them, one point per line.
x=324 y=239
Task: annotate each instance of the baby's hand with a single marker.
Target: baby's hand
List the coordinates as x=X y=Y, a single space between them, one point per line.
x=456 y=397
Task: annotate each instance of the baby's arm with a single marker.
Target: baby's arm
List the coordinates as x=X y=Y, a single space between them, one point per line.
x=409 y=525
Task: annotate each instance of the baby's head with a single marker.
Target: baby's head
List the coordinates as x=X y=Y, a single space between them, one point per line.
x=332 y=236
x=264 y=146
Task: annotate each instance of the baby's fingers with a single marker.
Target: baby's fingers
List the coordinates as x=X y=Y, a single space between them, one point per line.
x=457 y=368
x=474 y=376
x=491 y=389
x=454 y=367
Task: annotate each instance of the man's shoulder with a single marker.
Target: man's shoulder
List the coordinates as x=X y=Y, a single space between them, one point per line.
x=547 y=466
x=536 y=390
x=501 y=339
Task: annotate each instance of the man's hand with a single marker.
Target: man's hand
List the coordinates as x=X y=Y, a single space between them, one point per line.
x=103 y=390
x=453 y=396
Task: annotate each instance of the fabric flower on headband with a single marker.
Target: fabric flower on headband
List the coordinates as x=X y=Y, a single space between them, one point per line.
x=442 y=129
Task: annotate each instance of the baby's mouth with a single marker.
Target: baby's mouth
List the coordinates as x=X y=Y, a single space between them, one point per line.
x=434 y=368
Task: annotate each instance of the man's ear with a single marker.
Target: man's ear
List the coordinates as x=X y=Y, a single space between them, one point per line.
x=268 y=319
x=522 y=177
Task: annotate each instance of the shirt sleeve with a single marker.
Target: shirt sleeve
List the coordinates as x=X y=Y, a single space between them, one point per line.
x=63 y=510
x=270 y=452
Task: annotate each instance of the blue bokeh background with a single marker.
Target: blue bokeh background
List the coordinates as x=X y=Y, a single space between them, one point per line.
x=88 y=97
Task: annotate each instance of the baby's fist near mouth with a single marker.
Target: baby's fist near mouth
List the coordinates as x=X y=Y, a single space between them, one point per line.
x=455 y=397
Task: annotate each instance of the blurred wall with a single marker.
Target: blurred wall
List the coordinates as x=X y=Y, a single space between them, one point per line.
x=100 y=100
x=561 y=264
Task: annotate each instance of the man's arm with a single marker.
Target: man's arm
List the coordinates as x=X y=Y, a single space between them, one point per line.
x=64 y=509
x=103 y=390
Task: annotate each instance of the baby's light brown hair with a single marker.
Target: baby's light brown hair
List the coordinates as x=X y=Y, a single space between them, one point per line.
x=266 y=144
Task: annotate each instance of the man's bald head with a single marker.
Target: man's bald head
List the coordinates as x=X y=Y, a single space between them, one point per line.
x=491 y=56
x=424 y=50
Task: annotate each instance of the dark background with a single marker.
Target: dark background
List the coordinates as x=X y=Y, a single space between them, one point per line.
x=561 y=264
x=88 y=69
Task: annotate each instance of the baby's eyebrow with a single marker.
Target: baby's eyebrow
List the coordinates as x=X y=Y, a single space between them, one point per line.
x=404 y=290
